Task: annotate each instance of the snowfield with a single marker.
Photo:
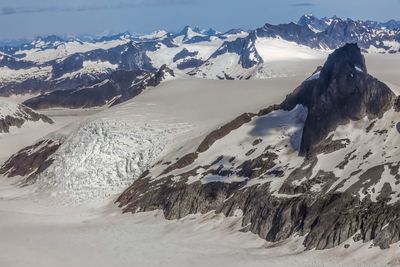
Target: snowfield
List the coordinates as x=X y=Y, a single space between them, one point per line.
x=35 y=235
x=91 y=68
x=275 y=49
x=165 y=55
x=280 y=58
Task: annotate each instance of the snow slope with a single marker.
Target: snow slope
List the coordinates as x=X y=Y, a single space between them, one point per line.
x=165 y=55
x=65 y=49
x=280 y=58
x=275 y=49
x=29 y=132
x=34 y=235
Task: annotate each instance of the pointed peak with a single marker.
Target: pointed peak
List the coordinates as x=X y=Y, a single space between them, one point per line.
x=185 y=29
x=347 y=57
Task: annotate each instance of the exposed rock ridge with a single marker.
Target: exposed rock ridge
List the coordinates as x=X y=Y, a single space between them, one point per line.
x=30 y=161
x=21 y=116
x=120 y=86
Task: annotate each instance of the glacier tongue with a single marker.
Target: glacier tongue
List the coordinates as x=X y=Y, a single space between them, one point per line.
x=104 y=156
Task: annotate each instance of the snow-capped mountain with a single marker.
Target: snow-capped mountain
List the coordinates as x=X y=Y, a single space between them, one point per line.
x=258 y=55
x=231 y=60
x=334 y=32
x=15 y=115
x=323 y=164
x=52 y=63
x=309 y=38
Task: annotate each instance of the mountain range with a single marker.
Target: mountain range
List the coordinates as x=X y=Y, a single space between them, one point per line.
x=50 y=65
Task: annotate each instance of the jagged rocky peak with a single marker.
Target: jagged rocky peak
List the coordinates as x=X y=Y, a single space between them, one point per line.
x=316 y=24
x=189 y=33
x=340 y=92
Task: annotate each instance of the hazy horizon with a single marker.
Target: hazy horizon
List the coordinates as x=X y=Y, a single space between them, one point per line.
x=30 y=18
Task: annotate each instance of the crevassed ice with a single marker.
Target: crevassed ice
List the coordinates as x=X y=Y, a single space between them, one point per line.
x=103 y=157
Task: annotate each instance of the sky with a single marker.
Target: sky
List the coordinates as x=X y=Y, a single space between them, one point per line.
x=30 y=18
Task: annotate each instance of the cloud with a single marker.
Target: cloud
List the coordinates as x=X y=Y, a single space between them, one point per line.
x=304 y=4
x=81 y=8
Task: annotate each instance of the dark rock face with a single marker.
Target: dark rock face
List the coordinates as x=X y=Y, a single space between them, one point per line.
x=323 y=23
x=343 y=92
x=244 y=47
x=328 y=220
x=190 y=63
x=184 y=54
x=14 y=63
x=291 y=32
x=121 y=86
x=30 y=161
x=187 y=60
